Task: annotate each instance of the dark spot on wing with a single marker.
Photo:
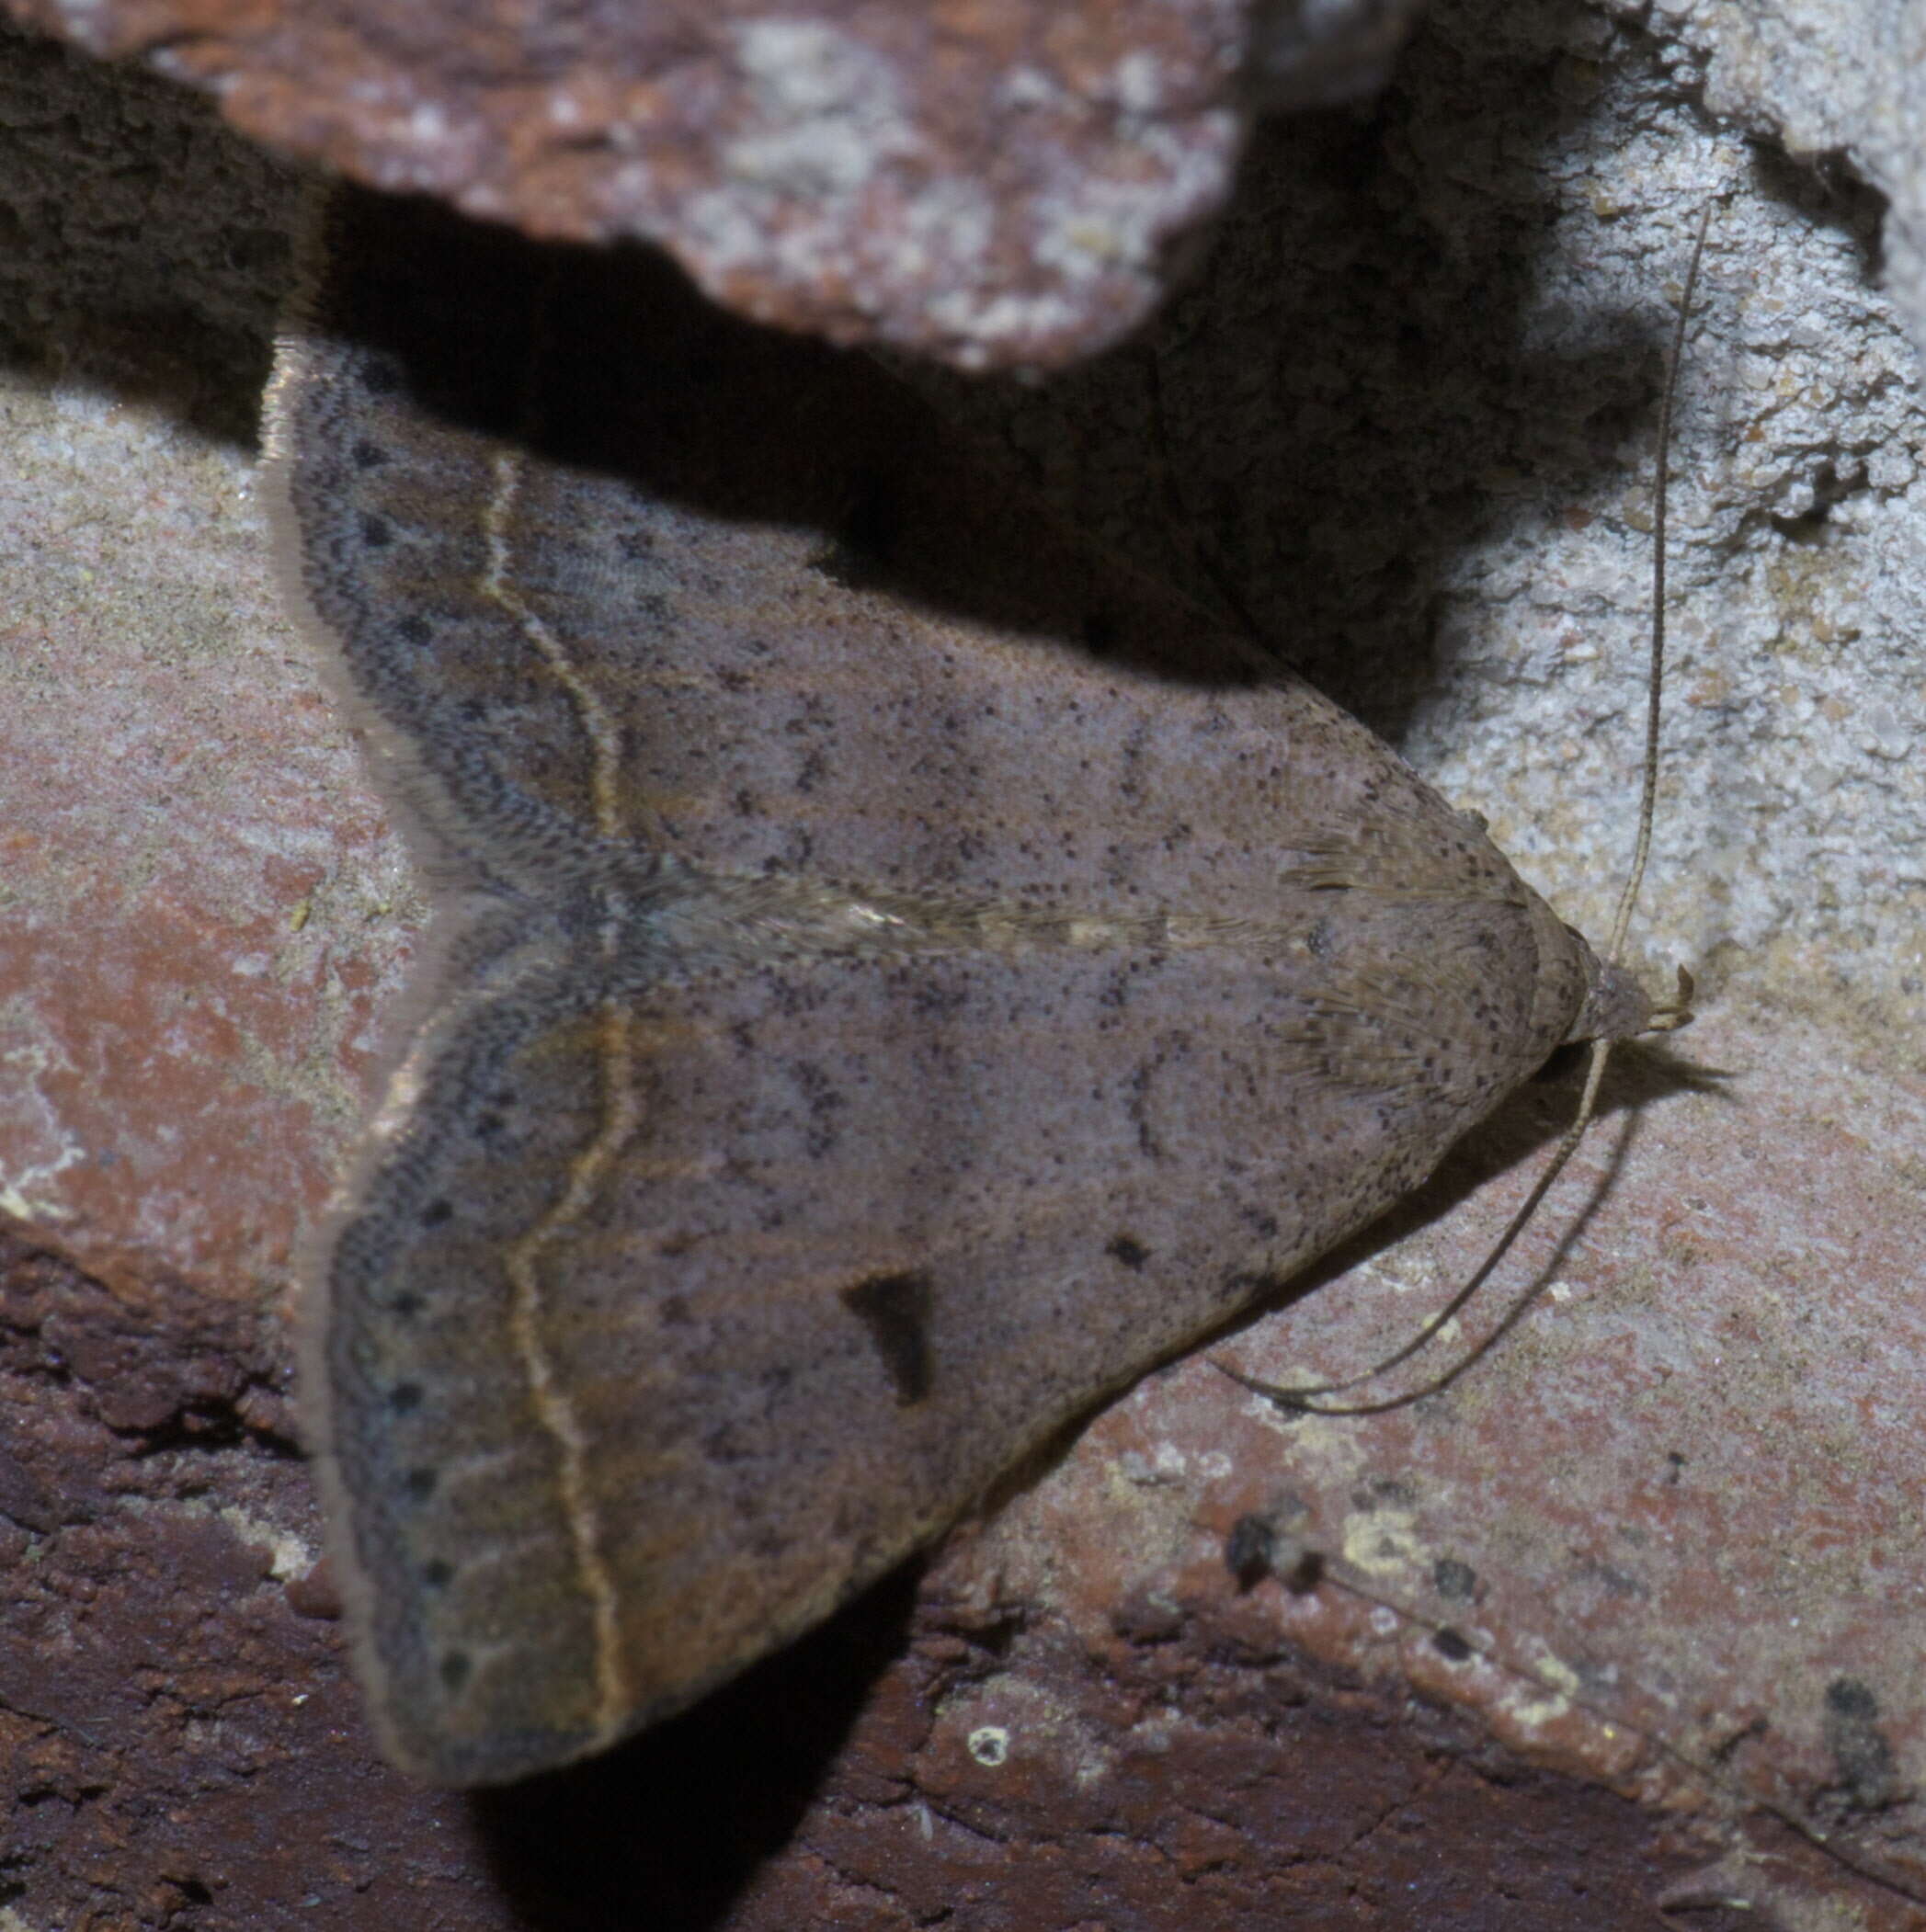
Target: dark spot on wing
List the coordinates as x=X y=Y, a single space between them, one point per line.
x=896 y=1311
x=420 y=1484
x=404 y=1397
x=1450 y=1645
x=437 y=1213
x=1127 y=1249
x=368 y=454
x=414 y=630
x=377 y=532
x=457 y=1668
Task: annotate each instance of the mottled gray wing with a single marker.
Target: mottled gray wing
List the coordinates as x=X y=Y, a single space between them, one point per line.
x=613 y=570
x=666 y=1323
x=922 y=977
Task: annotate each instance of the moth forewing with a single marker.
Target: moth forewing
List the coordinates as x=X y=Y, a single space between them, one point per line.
x=908 y=974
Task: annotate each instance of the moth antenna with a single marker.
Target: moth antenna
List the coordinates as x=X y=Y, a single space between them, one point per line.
x=1664 y=1018
x=1655 y=682
x=1304 y=1398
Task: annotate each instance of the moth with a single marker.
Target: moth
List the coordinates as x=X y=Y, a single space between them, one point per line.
x=899 y=974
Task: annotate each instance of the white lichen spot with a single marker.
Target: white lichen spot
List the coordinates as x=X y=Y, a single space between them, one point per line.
x=1548 y=1698
x=805 y=252
x=1138 y=86
x=988 y=1745
x=989 y=316
x=722 y=226
x=20 y=1196
x=828 y=110
x=1120 y=223
x=1144 y=1470
x=1329 y=1445
x=1405 y=1274
x=1095 y=1766
x=953 y=223
x=1383 y=1542
x=288 y=1555
x=1026 y=88
x=427 y=125
x=83 y=20
x=1083 y=247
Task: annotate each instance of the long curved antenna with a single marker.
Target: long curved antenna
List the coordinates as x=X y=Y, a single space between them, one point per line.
x=1655 y=684
x=1665 y=1019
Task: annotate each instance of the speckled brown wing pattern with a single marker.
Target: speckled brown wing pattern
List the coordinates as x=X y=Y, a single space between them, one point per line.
x=909 y=976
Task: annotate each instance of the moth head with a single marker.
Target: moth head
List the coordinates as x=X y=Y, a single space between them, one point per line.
x=1615 y=1006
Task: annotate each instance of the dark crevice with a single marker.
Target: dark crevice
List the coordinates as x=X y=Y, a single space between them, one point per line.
x=212 y=1425
x=1830 y=489
x=1827 y=187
